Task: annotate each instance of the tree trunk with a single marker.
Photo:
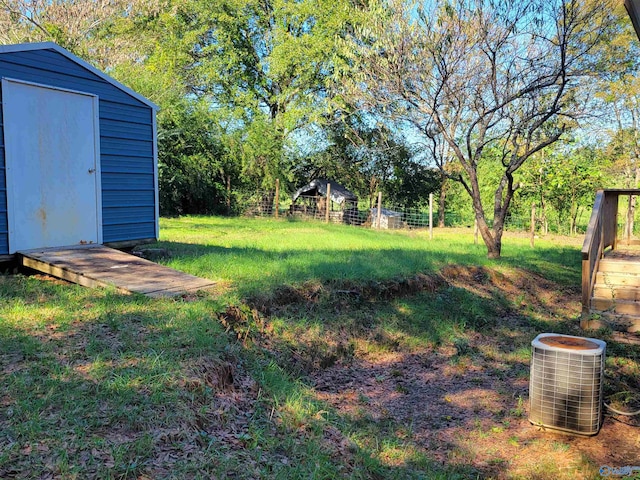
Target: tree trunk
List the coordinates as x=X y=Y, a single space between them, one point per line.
x=629 y=223
x=543 y=216
x=502 y=200
x=574 y=216
x=492 y=237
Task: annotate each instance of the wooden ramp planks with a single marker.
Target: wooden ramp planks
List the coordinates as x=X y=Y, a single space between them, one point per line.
x=100 y=266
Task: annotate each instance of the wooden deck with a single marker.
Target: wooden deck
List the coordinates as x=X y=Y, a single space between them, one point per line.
x=100 y=266
x=626 y=253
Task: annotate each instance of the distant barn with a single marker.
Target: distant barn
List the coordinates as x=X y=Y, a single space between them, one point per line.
x=78 y=154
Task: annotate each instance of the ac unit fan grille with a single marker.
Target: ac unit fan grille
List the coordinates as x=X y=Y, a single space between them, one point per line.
x=566 y=389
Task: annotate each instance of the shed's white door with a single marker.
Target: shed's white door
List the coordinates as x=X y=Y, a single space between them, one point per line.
x=52 y=169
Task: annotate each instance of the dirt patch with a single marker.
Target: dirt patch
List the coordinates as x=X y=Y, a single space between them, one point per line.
x=463 y=413
x=467 y=404
x=211 y=373
x=311 y=293
x=223 y=400
x=48 y=278
x=463 y=404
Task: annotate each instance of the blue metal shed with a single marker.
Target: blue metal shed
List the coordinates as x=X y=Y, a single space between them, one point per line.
x=78 y=154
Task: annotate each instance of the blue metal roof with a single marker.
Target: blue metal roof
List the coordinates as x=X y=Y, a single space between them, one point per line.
x=26 y=47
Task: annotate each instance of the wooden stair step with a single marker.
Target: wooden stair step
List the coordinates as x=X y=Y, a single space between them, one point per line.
x=621 y=323
x=619 y=266
x=629 y=338
x=629 y=324
x=620 y=307
x=617 y=292
x=617 y=279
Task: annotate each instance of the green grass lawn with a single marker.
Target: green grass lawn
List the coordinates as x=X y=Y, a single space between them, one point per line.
x=255 y=254
x=95 y=384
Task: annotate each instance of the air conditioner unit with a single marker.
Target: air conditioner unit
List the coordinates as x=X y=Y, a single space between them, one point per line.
x=565 y=387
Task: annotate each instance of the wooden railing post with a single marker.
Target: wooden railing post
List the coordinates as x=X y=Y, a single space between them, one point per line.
x=586 y=290
x=613 y=238
x=594 y=237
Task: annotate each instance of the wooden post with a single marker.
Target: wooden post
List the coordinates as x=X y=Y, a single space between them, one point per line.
x=629 y=223
x=614 y=214
x=379 y=215
x=533 y=225
x=431 y=215
x=475 y=231
x=277 y=196
x=326 y=217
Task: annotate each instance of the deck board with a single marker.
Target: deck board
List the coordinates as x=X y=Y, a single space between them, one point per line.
x=100 y=266
x=626 y=253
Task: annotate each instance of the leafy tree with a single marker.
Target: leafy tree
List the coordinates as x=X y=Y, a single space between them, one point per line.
x=565 y=180
x=268 y=64
x=263 y=66
x=620 y=92
x=194 y=164
x=499 y=74
x=78 y=26
x=368 y=157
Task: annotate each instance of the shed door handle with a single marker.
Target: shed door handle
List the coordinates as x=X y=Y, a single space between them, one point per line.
x=92 y=170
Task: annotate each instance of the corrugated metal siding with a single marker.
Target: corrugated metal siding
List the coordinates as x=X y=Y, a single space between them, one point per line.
x=4 y=229
x=126 y=143
x=128 y=184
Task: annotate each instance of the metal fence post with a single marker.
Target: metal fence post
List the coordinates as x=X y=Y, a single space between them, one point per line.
x=228 y=201
x=431 y=215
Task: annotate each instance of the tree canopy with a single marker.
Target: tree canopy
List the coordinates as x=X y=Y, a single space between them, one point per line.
x=508 y=76
x=393 y=95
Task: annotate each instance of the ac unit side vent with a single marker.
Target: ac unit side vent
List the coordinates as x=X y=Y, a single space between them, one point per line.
x=565 y=387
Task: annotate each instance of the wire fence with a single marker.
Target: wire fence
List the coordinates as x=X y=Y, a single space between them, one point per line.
x=387 y=216
x=390 y=216
x=382 y=215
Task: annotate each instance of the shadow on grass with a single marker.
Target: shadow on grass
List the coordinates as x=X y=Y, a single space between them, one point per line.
x=268 y=236
x=252 y=269
x=107 y=388
x=119 y=388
